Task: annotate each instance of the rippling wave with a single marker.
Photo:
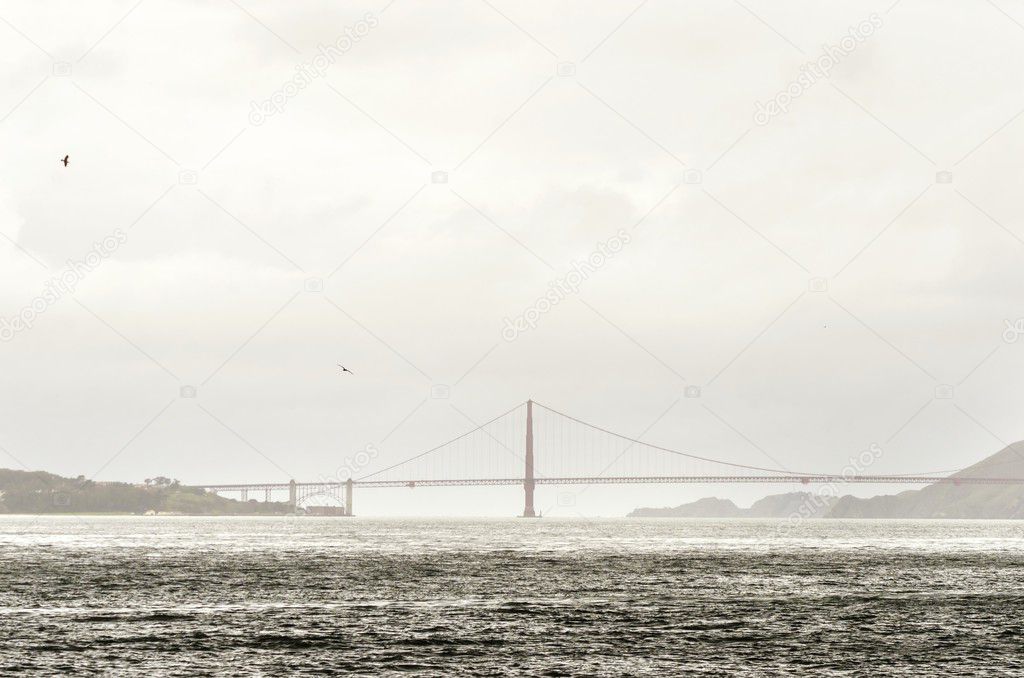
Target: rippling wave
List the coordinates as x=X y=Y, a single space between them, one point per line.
x=306 y=596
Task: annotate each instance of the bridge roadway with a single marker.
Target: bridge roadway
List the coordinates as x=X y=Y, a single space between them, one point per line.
x=621 y=480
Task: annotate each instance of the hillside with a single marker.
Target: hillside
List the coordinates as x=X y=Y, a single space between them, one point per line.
x=709 y=507
x=772 y=506
x=940 y=500
x=949 y=500
x=38 y=492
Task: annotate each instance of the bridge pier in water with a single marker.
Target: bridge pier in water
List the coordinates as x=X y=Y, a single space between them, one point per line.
x=528 y=480
x=348 y=497
x=292 y=494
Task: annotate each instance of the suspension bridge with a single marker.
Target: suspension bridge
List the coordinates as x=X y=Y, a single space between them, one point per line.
x=532 y=445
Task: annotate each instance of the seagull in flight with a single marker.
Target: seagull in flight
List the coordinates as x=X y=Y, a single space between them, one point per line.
x=345 y=369
x=64 y=160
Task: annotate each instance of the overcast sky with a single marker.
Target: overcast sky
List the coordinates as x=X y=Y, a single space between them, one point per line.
x=817 y=272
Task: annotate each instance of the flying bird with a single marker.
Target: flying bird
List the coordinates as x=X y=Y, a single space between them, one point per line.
x=64 y=160
x=345 y=369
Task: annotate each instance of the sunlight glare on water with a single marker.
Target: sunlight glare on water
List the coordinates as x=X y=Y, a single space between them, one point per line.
x=140 y=595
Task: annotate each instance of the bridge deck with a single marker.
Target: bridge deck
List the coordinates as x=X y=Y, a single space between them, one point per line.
x=625 y=480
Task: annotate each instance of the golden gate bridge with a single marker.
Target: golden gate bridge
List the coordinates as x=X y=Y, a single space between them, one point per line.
x=532 y=444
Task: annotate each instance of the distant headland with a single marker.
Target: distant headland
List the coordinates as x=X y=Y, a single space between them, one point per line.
x=940 y=500
x=38 y=492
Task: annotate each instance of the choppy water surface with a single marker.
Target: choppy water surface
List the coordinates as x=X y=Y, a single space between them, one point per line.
x=309 y=596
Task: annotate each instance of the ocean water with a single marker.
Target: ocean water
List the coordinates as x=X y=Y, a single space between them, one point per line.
x=319 y=596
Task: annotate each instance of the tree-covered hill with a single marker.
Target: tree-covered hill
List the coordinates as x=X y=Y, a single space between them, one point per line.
x=40 y=492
